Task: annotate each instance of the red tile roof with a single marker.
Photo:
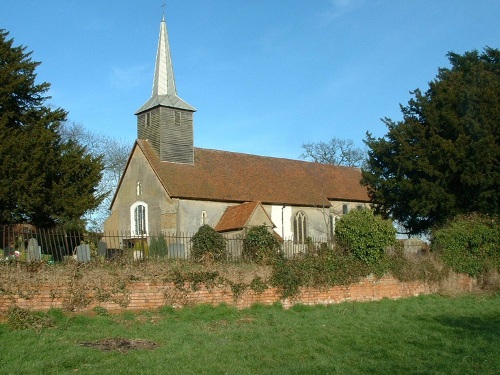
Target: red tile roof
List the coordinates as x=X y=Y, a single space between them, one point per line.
x=236 y=217
x=235 y=177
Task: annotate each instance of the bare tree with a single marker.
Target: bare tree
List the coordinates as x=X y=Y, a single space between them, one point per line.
x=114 y=155
x=336 y=151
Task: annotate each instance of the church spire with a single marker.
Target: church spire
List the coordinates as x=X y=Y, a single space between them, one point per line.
x=164 y=81
x=166 y=120
x=164 y=90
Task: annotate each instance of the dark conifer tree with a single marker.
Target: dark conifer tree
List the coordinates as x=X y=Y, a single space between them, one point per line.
x=442 y=158
x=43 y=180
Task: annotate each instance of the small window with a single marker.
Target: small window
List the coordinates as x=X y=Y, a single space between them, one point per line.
x=148 y=119
x=138 y=188
x=178 y=116
x=345 y=209
x=203 y=217
x=360 y=207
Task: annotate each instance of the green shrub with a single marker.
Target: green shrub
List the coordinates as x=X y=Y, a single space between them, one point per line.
x=208 y=244
x=260 y=245
x=100 y=311
x=258 y=285
x=195 y=278
x=425 y=267
x=469 y=244
x=143 y=247
x=286 y=277
x=158 y=247
x=321 y=271
x=20 y=319
x=365 y=235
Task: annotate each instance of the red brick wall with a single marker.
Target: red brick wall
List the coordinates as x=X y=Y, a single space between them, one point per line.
x=148 y=295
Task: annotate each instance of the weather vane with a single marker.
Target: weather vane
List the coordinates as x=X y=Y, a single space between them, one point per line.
x=163 y=5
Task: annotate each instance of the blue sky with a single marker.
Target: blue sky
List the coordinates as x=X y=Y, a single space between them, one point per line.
x=265 y=76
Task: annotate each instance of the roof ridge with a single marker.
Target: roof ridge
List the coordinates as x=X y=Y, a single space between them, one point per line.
x=274 y=157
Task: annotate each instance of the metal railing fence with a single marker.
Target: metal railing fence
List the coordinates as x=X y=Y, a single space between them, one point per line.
x=27 y=243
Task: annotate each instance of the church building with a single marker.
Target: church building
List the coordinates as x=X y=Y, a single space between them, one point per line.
x=171 y=187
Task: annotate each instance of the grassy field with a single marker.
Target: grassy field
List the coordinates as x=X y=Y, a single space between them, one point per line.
x=424 y=335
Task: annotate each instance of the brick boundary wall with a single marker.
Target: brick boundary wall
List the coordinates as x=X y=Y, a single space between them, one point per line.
x=149 y=295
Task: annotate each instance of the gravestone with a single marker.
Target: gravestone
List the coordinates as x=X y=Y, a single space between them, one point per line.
x=176 y=250
x=415 y=246
x=33 y=252
x=83 y=253
x=102 y=248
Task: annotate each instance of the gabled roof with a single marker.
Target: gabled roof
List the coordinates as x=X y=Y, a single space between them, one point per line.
x=236 y=177
x=237 y=217
x=164 y=90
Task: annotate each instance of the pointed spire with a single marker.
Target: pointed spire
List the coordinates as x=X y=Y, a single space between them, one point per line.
x=164 y=90
x=164 y=81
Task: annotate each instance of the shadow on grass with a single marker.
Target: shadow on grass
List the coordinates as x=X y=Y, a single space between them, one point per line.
x=488 y=327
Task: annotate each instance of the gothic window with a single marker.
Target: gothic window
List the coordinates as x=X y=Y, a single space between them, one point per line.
x=299 y=228
x=139 y=218
x=203 y=217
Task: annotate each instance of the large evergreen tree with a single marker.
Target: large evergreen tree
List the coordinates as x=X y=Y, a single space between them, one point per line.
x=44 y=180
x=442 y=159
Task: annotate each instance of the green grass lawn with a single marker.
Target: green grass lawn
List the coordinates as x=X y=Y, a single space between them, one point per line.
x=424 y=335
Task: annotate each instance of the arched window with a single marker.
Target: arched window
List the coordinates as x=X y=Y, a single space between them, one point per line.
x=203 y=217
x=299 y=228
x=139 y=218
x=345 y=209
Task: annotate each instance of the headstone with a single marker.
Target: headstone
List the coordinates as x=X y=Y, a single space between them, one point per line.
x=83 y=252
x=415 y=246
x=33 y=252
x=176 y=250
x=102 y=247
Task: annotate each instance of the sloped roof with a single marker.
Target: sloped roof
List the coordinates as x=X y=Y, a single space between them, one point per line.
x=172 y=101
x=237 y=217
x=236 y=177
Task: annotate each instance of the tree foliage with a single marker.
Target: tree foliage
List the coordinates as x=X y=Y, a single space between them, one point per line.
x=442 y=159
x=43 y=179
x=365 y=235
x=336 y=151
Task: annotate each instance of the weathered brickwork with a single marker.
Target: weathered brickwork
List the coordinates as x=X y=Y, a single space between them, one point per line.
x=147 y=295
